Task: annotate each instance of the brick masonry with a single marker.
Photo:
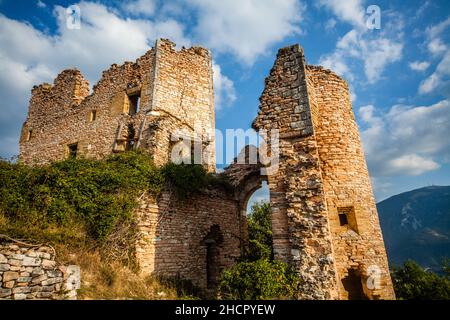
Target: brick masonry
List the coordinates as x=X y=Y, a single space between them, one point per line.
x=325 y=223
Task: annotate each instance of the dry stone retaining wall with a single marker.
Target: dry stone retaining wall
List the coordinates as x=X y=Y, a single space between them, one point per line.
x=32 y=273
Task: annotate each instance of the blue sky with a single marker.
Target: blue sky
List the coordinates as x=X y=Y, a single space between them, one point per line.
x=399 y=74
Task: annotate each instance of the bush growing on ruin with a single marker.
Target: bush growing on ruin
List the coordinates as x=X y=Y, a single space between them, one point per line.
x=67 y=200
x=259 y=280
x=258 y=275
x=190 y=179
x=78 y=195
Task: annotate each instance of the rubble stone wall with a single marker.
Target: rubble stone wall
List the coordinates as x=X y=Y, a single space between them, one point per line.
x=32 y=273
x=299 y=220
x=174 y=84
x=174 y=234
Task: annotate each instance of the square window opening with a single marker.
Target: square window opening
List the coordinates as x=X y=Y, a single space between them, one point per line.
x=72 y=150
x=347 y=218
x=29 y=134
x=343 y=221
x=134 y=103
x=93 y=115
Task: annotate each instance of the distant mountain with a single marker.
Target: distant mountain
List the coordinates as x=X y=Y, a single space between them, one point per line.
x=416 y=225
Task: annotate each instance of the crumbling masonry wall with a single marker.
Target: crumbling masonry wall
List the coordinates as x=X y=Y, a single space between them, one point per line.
x=359 y=245
x=175 y=88
x=174 y=235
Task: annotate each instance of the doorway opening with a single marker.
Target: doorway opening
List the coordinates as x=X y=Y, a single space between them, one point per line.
x=353 y=285
x=212 y=241
x=259 y=225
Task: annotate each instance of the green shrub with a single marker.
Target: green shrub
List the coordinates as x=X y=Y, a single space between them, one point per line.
x=258 y=276
x=77 y=197
x=260 y=279
x=411 y=281
x=188 y=179
x=98 y=195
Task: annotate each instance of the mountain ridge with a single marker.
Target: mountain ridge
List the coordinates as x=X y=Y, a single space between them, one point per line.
x=416 y=225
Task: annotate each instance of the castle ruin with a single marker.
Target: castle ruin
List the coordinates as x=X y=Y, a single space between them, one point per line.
x=324 y=218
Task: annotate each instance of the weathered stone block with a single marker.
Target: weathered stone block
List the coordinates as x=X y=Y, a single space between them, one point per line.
x=10 y=275
x=31 y=262
x=5 y=292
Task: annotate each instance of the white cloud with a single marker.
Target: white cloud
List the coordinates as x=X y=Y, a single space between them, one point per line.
x=419 y=65
x=224 y=93
x=41 y=4
x=29 y=56
x=412 y=164
x=377 y=54
x=407 y=140
x=246 y=28
x=439 y=78
x=436 y=30
x=351 y=11
x=374 y=52
x=436 y=46
x=140 y=7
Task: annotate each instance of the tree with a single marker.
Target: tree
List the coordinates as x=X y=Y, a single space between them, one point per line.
x=259 y=223
x=412 y=282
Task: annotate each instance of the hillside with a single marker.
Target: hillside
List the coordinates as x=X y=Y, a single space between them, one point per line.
x=416 y=225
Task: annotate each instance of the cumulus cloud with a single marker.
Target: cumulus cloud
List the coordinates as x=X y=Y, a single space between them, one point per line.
x=374 y=50
x=439 y=79
x=351 y=11
x=246 y=28
x=140 y=7
x=224 y=92
x=29 y=56
x=375 y=53
x=419 y=65
x=436 y=46
x=41 y=4
x=407 y=140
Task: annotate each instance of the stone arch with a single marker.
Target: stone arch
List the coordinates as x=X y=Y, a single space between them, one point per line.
x=247 y=178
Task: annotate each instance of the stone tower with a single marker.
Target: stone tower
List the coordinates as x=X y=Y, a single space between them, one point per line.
x=325 y=221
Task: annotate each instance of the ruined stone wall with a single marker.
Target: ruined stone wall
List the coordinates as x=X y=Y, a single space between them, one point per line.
x=325 y=222
x=55 y=126
x=301 y=233
x=173 y=234
x=358 y=245
x=32 y=273
x=184 y=91
x=174 y=84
